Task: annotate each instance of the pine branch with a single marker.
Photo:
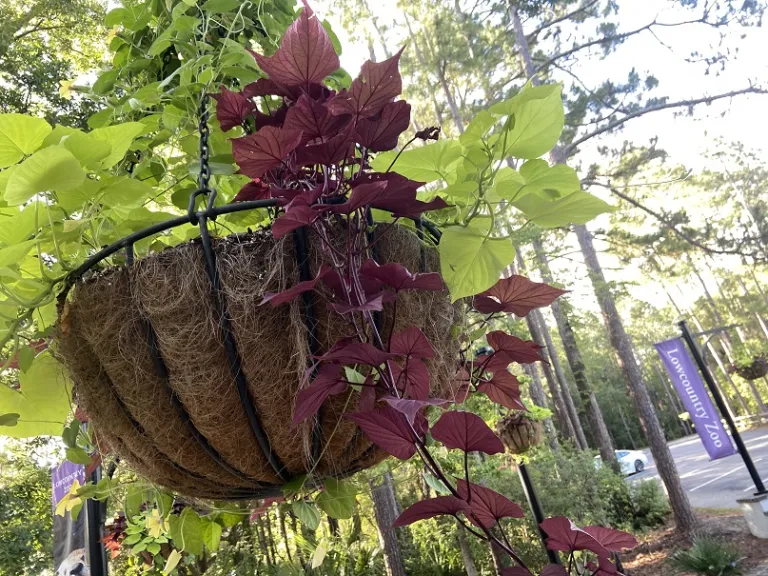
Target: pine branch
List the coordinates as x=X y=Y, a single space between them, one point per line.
x=571 y=148
x=583 y=8
x=614 y=38
x=669 y=225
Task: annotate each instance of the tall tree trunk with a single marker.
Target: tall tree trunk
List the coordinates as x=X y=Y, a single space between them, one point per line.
x=562 y=416
x=385 y=510
x=626 y=427
x=594 y=414
x=665 y=464
x=726 y=340
x=565 y=391
x=572 y=353
x=440 y=72
x=759 y=319
x=727 y=299
x=263 y=544
x=466 y=553
x=295 y=530
x=723 y=368
x=423 y=65
x=284 y=533
x=757 y=282
x=270 y=537
x=457 y=121
x=379 y=33
x=522 y=43
x=333 y=527
x=540 y=399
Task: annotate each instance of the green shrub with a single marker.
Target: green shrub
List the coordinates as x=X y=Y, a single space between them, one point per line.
x=649 y=505
x=708 y=556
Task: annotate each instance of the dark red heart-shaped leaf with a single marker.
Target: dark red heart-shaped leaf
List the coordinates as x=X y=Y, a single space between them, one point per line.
x=254 y=190
x=333 y=151
x=460 y=387
x=553 y=570
x=361 y=196
x=516 y=571
x=398 y=277
x=491 y=363
x=367 y=396
x=296 y=217
x=565 y=536
x=411 y=342
x=273 y=118
x=516 y=294
x=313 y=120
x=371 y=287
x=413 y=379
x=388 y=429
x=288 y=193
x=232 y=108
x=440 y=506
x=414 y=208
x=328 y=381
x=400 y=197
x=466 y=431
x=305 y=56
x=514 y=348
x=411 y=408
x=266 y=87
x=378 y=84
x=488 y=506
x=503 y=388
x=381 y=133
x=421 y=425
x=357 y=353
x=395 y=181
x=610 y=539
x=375 y=304
x=277 y=298
x=258 y=153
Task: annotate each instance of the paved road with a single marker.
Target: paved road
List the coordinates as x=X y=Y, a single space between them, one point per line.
x=714 y=484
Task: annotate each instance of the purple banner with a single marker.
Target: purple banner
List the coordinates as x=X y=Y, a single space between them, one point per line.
x=62 y=478
x=697 y=402
x=69 y=555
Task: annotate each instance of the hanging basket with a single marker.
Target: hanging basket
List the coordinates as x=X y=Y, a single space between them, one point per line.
x=192 y=381
x=754 y=370
x=518 y=432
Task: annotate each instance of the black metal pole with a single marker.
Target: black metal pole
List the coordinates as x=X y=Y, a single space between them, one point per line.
x=688 y=337
x=535 y=506
x=95 y=511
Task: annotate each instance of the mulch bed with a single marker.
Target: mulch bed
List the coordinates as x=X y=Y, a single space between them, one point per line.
x=650 y=557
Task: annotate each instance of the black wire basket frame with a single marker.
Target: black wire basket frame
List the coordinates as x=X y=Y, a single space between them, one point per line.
x=201 y=218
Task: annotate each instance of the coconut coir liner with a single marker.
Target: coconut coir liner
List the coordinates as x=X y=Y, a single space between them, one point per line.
x=110 y=319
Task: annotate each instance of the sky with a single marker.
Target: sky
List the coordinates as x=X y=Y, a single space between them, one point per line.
x=740 y=119
x=684 y=137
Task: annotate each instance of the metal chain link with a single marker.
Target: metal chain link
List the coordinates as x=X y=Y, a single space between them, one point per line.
x=204 y=178
x=205 y=132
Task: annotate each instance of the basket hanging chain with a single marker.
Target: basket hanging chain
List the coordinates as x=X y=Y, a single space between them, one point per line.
x=205 y=133
x=204 y=178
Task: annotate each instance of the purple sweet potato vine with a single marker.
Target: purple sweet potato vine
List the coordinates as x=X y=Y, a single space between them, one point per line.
x=309 y=147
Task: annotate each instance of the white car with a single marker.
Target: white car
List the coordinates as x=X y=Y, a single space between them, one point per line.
x=631 y=461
